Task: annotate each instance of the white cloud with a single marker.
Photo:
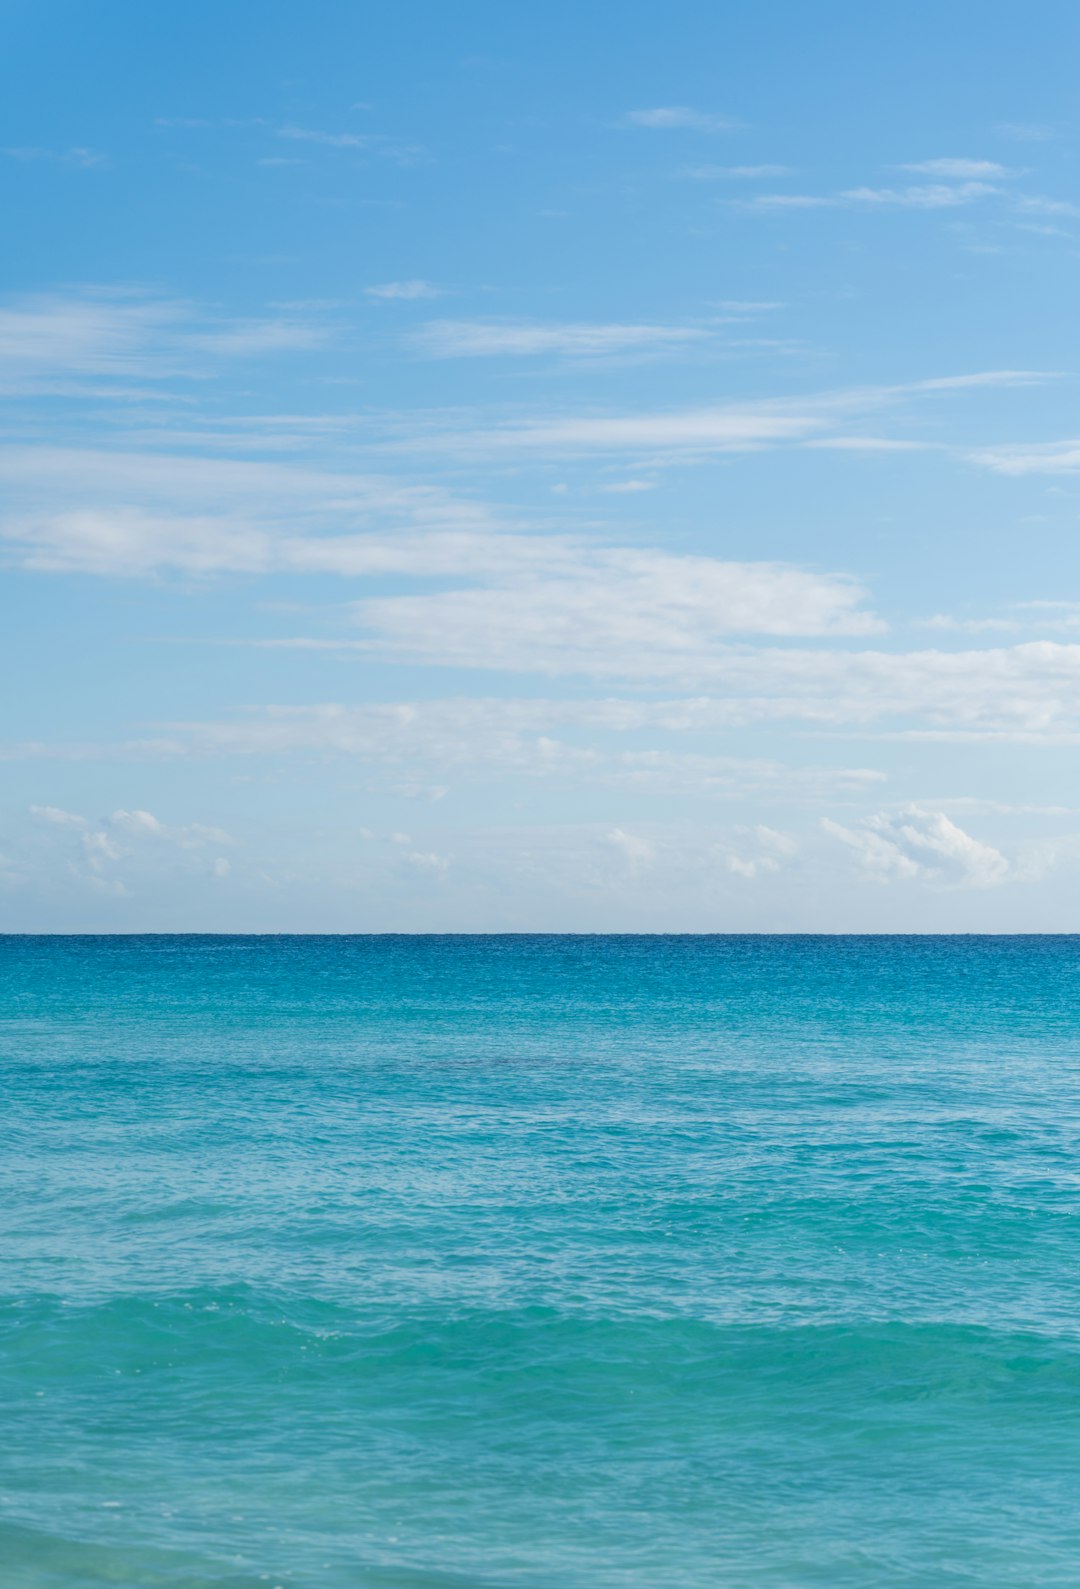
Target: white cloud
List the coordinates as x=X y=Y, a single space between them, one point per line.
x=472 y=739
x=758 y=850
x=1036 y=204
x=691 y=431
x=735 y=173
x=247 y=338
x=931 y=196
x=77 y=155
x=927 y=196
x=963 y=169
x=665 y=117
x=1027 y=693
x=946 y=621
x=332 y=140
x=636 y=851
x=404 y=290
x=786 y=201
x=1025 y=131
x=58 y=817
x=58 y=341
x=920 y=845
x=447 y=339
x=612 y=611
x=143 y=825
x=134 y=844
x=375 y=143
x=1022 y=458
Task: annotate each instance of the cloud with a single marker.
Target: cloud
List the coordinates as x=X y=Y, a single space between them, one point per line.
x=58 y=341
x=688 y=433
x=331 y=140
x=1027 y=693
x=135 y=513
x=666 y=117
x=691 y=431
x=57 y=816
x=77 y=155
x=1025 y=131
x=1037 y=204
x=247 y=338
x=133 y=842
x=974 y=169
x=734 y=173
x=1049 y=457
x=786 y=201
x=609 y=610
x=931 y=196
x=374 y=143
x=471 y=739
x=636 y=851
x=447 y=339
x=918 y=845
x=144 y=825
x=927 y=196
x=405 y=290
x=758 y=850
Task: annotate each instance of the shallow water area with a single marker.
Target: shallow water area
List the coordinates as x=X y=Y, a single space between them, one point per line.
x=441 y=1263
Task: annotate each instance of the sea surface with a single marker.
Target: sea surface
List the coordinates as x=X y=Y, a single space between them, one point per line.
x=559 y=1262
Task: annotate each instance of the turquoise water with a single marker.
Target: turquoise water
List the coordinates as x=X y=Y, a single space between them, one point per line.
x=431 y=1263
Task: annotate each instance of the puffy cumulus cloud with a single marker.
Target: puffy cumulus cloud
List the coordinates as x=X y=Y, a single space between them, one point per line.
x=58 y=817
x=99 y=850
x=757 y=850
x=636 y=851
x=920 y=845
x=143 y=825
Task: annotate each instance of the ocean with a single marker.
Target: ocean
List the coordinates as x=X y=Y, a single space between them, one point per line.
x=561 y=1262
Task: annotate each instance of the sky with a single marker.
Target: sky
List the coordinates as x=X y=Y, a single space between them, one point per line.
x=578 y=468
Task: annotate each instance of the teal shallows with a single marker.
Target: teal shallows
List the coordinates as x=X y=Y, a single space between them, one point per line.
x=441 y=1263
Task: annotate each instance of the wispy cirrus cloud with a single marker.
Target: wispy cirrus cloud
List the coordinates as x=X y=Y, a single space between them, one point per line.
x=77 y=155
x=448 y=339
x=404 y=291
x=971 y=170
x=376 y=143
x=734 y=173
x=1022 y=694
x=698 y=432
x=680 y=117
x=1023 y=458
x=48 y=340
x=919 y=196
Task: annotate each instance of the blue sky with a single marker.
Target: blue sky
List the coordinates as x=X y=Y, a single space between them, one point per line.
x=571 y=468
